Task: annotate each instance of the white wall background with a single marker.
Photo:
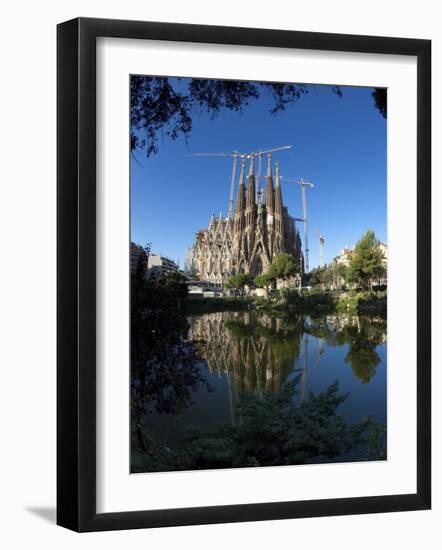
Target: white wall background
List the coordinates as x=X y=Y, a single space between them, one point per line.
x=27 y=273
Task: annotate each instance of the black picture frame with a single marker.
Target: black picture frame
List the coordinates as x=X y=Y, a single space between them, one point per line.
x=76 y=273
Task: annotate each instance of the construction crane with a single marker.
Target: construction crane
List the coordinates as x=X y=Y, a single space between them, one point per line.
x=260 y=154
x=236 y=155
x=300 y=255
x=303 y=184
x=321 y=247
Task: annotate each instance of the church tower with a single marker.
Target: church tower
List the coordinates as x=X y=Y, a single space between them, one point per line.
x=258 y=232
x=251 y=207
x=239 y=220
x=270 y=205
x=239 y=244
x=278 y=236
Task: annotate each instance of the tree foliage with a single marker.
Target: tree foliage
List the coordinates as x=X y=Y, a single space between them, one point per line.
x=313 y=277
x=380 y=100
x=264 y=280
x=366 y=265
x=164 y=366
x=239 y=281
x=367 y=260
x=273 y=431
x=343 y=272
x=162 y=106
x=283 y=266
x=175 y=284
x=333 y=275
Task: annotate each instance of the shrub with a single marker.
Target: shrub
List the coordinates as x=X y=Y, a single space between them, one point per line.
x=290 y=296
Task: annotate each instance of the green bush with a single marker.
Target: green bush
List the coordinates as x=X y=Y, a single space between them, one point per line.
x=273 y=431
x=260 y=301
x=290 y=296
x=363 y=302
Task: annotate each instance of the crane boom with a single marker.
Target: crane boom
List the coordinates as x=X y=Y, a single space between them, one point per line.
x=283 y=148
x=211 y=155
x=258 y=177
x=242 y=155
x=235 y=155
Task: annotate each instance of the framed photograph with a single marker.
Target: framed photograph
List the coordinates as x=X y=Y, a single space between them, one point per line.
x=243 y=274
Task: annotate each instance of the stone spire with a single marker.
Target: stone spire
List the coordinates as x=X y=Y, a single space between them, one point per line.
x=211 y=220
x=279 y=244
x=278 y=195
x=220 y=221
x=260 y=205
x=240 y=196
x=240 y=201
x=269 y=187
x=252 y=166
x=251 y=185
x=250 y=213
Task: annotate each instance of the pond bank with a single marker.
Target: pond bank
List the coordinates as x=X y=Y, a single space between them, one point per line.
x=288 y=300
x=209 y=305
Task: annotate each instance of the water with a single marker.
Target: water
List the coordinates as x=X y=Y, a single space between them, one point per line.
x=251 y=352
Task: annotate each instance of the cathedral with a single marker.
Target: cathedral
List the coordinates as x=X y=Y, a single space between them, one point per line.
x=261 y=229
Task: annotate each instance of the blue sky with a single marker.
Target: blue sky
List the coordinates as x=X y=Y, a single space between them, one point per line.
x=339 y=144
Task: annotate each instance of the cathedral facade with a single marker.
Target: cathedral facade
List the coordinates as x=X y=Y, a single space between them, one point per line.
x=210 y=257
x=260 y=230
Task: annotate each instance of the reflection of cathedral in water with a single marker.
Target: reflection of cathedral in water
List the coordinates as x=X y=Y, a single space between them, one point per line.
x=257 y=353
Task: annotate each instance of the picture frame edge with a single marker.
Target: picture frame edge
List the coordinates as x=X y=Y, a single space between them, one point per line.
x=76 y=272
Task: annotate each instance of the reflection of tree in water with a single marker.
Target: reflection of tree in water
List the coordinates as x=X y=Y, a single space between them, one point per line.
x=362 y=334
x=363 y=359
x=164 y=365
x=258 y=351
